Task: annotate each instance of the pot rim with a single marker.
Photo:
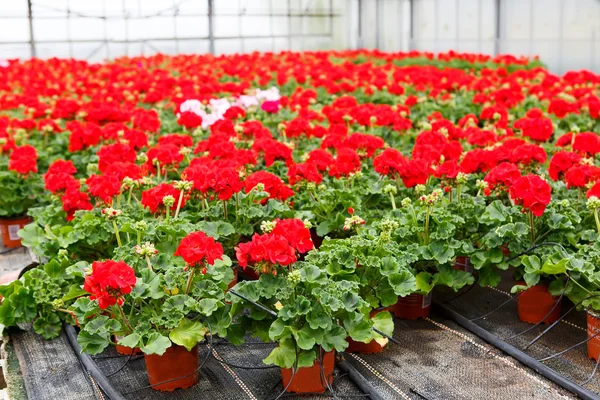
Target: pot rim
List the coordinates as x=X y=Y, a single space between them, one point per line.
x=593 y=313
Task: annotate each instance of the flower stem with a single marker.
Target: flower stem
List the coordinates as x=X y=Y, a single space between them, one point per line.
x=139 y=238
x=225 y=209
x=393 y=201
x=237 y=205
x=189 y=281
x=167 y=211
x=148 y=262
x=597 y=220
x=117 y=233
x=125 y=320
x=179 y=201
x=458 y=192
x=532 y=227
x=158 y=170
x=129 y=195
x=427 y=225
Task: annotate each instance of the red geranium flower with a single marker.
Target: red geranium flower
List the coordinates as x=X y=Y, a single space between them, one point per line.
x=198 y=248
x=109 y=282
x=153 y=198
x=74 y=200
x=189 y=120
x=295 y=232
x=531 y=192
x=23 y=160
x=105 y=187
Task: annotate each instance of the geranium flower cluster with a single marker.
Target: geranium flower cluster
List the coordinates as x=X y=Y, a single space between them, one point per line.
x=109 y=281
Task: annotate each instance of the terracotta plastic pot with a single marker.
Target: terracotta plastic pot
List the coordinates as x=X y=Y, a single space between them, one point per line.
x=124 y=350
x=177 y=368
x=309 y=379
x=535 y=303
x=366 y=348
x=463 y=264
x=413 y=306
x=9 y=228
x=593 y=328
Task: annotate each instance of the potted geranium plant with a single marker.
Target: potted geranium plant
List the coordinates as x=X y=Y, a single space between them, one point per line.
x=22 y=188
x=311 y=317
x=377 y=264
x=165 y=311
x=426 y=232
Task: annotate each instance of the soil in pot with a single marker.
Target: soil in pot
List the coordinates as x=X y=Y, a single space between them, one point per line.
x=413 y=306
x=535 y=303
x=177 y=368
x=593 y=328
x=367 y=348
x=9 y=228
x=310 y=379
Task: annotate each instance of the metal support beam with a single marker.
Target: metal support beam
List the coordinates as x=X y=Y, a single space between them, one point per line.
x=31 y=37
x=211 y=27
x=498 y=35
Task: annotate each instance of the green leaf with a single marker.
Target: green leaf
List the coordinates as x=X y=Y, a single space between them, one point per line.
x=318 y=318
x=207 y=306
x=307 y=337
x=188 y=334
x=550 y=268
x=312 y=274
x=384 y=322
x=284 y=355
x=359 y=328
x=132 y=340
x=335 y=337
x=532 y=264
x=403 y=283
x=323 y=228
x=155 y=343
x=74 y=292
x=93 y=343
x=424 y=282
x=48 y=326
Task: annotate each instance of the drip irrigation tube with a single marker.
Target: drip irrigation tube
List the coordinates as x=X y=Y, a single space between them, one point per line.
x=359 y=380
x=524 y=358
x=90 y=365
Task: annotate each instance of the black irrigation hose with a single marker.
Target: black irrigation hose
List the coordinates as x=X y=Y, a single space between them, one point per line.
x=512 y=351
x=90 y=365
x=538 y=337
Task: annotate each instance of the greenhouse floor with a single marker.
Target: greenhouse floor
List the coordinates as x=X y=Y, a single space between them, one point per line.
x=435 y=359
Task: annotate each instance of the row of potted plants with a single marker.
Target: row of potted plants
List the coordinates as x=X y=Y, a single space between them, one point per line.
x=343 y=194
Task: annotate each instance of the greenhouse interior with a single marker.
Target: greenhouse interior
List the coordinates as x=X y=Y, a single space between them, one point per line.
x=299 y=199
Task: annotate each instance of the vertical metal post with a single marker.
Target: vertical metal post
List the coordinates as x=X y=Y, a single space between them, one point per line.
x=360 y=38
x=377 y=24
x=211 y=27
x=69 y=35
x=531 y=23
x=175 y=14
x=105 y=29
x=498 y=35
x=457 y=24
x=31 y=37
x=411 y=39
x=271 y=26
x=593 y=50
x=560 y=36
x=126 y=14
x=331 y=22
x=479 y=20
x=437 y=25
x=289 y=24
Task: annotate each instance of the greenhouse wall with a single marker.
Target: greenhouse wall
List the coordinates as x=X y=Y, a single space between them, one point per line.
x=564 y=33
